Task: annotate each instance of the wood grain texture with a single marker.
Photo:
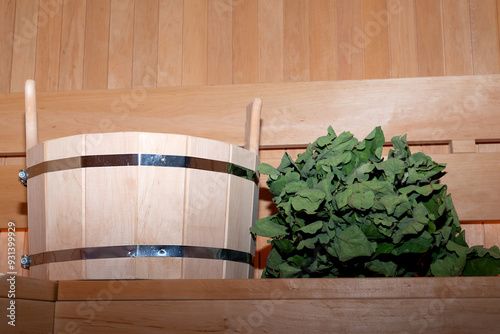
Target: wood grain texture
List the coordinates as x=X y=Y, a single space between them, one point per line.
x=21 y=248
x=463 y=146
x=48 y=46
x=380 y=316
x=13 y=204
x=323 y=46
x=240 y=211
x=96 y=55
x=160 y=206
x=36 y=208
x=72 y=46
x=352 y=41
x=245 y=41
x=30 y=288
x=403 y=38
x=429 y=38
x=32 y=316
x=30 y=114
x=217 y=112
x=195 y=43
x=170 y=43
x=24 y=51
x=121 y=44
x=205 y=208
x=286 y=289
x=376 y=58
x=457 y=37
x=64 y=194
x=270 y=45
x=474 y=233
x=296 y=40
x=201 y=42
x=220 y=42
x=484 y=32
x=483 y=185
x=145 y=61
x=491 y=234
x=8 y=9
x=110 y=219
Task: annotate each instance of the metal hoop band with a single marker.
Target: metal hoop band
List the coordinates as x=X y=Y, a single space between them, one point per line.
x=140 y=159
x=92 y=253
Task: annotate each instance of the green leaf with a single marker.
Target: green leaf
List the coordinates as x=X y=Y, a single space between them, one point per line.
x=493 y=251
x=361 y=200
x=383 y=248
x=276 y=186
x=268 y=227
x=288 y=271
x=415 y=223
x=458 y=249
x=371 y=146
x=388 y=269
x=284 y=246
x=295 y=186
x=450 y=265
x=323 y=141
x=267 y=169
x=274 y=259
x=484 y=266
x=307 y=243
x=393 y=169
x=308 y=200
x=287 y=164
x=352 y=243
x=312 y=228
x=342 y=198
x=391 y=201
x=415 y=245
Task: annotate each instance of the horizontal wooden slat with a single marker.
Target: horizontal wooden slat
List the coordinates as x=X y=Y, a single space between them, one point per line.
x=13 y=201
x=31 y=316
x=473 y=181
x=17 y=240
x=290 y=289
x=438 y=315
x=426 y=109
x=29 y=288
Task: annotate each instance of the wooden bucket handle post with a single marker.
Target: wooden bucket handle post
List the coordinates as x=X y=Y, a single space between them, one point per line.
x=252 y=126
x=252 y=143
x=30 y=111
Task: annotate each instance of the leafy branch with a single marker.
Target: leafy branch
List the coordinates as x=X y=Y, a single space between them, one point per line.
x=344 y=211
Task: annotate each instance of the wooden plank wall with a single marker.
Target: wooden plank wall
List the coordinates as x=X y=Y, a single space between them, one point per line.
x=72 y=45
x=106 y=44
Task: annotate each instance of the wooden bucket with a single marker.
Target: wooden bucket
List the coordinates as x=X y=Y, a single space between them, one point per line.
x=140 y=206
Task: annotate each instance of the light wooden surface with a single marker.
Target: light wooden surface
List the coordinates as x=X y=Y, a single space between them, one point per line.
x=139 y=205
x=293 y=113
x=72 y=46
x=375 y=305
x=297 y=316
x=98 y=44
x=29 y=288
x=287 y=289
x=121 y=41
x=252 y=126
x=32 y=316
x=31 y=126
